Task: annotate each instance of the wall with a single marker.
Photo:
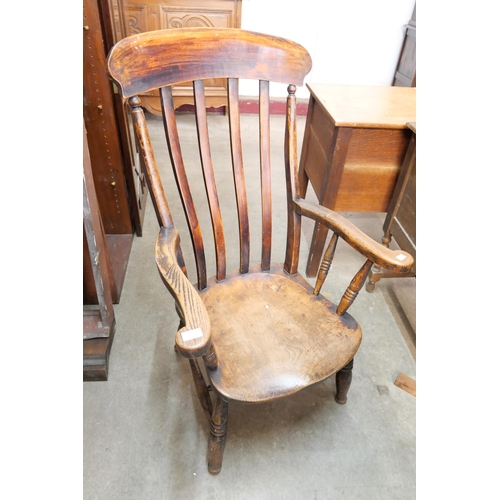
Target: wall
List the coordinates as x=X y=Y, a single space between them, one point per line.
x=350 y=41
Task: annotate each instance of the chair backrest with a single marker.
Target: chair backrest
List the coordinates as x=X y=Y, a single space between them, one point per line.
x=161 y=59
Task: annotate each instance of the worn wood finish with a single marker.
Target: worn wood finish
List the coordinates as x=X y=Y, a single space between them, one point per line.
x=343 y=380
x=209 y=177
x=265 y=173
x=140 y=16
x=153 y=180
x=181 y=179
x=261 y=330
x=189 y=304
x=354 y=287
x=239 y=176
x=229 y=53
x=261 y=325
x=218 y=429
x=327 y=262
x=354 y=145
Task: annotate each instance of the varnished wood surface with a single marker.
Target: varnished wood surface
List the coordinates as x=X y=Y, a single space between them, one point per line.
x=139 y=16
x=354 y=145
x=231 y=53
x=189 y=304
x=261 y=334
x=364 y=106
x=273 y=336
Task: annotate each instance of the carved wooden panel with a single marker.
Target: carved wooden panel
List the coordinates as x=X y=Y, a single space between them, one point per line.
x=150 y=15
x=172 y=17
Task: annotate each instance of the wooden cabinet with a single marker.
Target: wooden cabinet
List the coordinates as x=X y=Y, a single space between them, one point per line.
x=137 y=16
x=117 y=176
x=355 y=141
x=401 y=223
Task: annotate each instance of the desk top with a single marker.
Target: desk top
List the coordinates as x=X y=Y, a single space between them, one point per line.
x=367 y=106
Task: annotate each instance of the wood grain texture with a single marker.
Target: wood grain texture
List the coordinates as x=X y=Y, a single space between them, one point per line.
x=393 y=260
x=292 y=185
x=273 y=336
x=141 y=63
x=363 y=106
x=265 y=173
x=238 y=173
x=153 y=179
x=209 y=177
x=189 y=304
x=174 y=148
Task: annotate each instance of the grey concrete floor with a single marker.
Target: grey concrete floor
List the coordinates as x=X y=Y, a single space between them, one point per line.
x=145 y=434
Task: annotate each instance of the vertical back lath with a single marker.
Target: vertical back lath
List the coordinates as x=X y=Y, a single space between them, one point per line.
x=174 y=148
x=265 y=174
x=239 y=177
x=208 y=175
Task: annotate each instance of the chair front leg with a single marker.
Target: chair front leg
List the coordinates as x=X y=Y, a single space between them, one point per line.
x=343 y=379
x=218 y=428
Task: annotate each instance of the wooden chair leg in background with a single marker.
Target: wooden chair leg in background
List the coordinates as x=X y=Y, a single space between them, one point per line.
x=218 y=428
x=343 y=379
x=201 y=389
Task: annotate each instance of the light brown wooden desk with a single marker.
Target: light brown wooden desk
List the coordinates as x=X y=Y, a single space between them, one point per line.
x=354 y=144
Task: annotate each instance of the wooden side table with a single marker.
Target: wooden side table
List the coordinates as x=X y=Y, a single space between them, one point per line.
x=354 y=144
x=400 y=222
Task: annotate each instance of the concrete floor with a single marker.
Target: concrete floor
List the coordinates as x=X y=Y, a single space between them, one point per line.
x=145 y=434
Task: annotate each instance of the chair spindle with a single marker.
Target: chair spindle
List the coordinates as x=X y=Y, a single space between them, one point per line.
x=239 y=177
x=327 y=262
x=181 y=179
x=353 y=289
x=265 y=174
x=208 y=175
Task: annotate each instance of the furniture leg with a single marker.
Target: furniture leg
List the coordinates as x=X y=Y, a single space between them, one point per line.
x=201 y=389
x=343 y=379
x=218 y=428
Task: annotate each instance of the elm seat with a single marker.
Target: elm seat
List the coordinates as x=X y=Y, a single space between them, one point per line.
x=266 y=328
x=260 y=332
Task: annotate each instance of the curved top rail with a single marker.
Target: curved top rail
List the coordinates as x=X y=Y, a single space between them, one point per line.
x=143 y=62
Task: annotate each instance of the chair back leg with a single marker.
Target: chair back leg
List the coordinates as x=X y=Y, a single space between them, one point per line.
x=218 y=428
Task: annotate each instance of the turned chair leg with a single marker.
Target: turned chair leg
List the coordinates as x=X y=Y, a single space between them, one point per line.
x=218 y=428
x=343 y=379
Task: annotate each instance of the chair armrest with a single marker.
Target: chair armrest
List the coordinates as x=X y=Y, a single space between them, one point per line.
x=193 y=340
x=394 y=260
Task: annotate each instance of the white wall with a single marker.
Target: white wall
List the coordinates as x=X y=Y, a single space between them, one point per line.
x=354 y=42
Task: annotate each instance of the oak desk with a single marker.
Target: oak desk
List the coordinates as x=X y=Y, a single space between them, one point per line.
x=354 y=144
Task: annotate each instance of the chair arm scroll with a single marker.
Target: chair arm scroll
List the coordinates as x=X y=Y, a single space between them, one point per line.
x=394 y=260
x=194 y=339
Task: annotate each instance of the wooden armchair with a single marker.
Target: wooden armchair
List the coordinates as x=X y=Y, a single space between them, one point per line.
x=262 y=332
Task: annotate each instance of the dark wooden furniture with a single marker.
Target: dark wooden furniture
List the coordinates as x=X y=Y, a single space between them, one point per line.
x=354 y=144
x=401 y=223
x=406 y=71
x=140 y=16
x=99 y=321
x=118 y=179
x=261 y=331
